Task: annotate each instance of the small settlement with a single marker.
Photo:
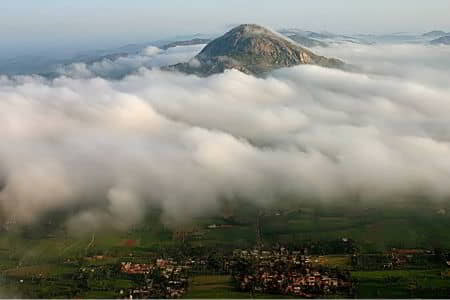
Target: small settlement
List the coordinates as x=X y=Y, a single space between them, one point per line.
x=163 y=279
x=287 y=273
x=276 y=271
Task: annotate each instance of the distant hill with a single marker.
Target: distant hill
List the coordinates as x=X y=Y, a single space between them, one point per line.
x=307 y=42
x=111 y=57
x=321 y=39
x=251 y=49
x=195 y=41
x=435 y=34
x=445 y=40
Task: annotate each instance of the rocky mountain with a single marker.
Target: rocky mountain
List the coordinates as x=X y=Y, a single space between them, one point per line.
x=252 y=49
x=445 y=40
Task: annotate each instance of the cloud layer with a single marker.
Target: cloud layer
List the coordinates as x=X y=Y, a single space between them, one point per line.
x=110 y=149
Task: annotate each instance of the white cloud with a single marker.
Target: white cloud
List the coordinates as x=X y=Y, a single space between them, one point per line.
x=112 y=148
x=151 y=51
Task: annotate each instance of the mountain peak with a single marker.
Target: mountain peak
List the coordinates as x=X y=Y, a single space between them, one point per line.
x=250 y=29
x=252 y=49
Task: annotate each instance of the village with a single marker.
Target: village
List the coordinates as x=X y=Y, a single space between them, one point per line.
x=163 y=279
x=287 y=272
x=397 y=259
x=278 y=272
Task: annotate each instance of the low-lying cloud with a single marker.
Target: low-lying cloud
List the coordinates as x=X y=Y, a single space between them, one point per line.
x=116 y=68
x=110 y=149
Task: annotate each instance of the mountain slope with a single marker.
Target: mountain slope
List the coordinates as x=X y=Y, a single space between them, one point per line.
x=251 y=49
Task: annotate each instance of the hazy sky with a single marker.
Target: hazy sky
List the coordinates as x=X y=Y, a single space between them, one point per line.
x=51 y=24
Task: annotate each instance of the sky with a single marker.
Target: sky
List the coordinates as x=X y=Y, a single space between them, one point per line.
x=27 y=26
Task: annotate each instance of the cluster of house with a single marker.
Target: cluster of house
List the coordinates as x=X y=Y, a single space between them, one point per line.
x=401 y=257
x=215 y=226
x=284 y=272
x=292 y=283
x=163 y=279
x=158 y=291
x=10 y=223
x=130 y=268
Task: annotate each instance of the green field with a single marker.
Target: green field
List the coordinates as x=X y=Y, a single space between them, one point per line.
x=374 y=230
x=219 y=286
x=402 y=284
x=334 y=261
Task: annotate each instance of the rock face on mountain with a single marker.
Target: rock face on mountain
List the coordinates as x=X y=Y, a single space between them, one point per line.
x=445 y=40
x=252 y=49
